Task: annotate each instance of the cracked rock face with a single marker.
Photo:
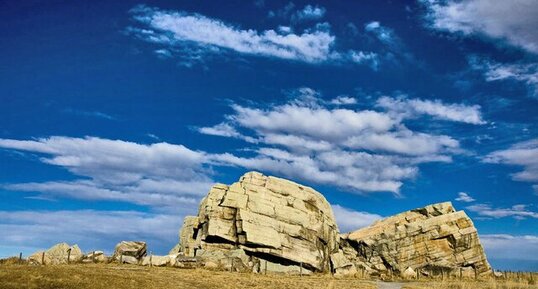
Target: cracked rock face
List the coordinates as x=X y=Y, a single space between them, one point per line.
x=433 y=239
x=266 y=222
x=267 y=218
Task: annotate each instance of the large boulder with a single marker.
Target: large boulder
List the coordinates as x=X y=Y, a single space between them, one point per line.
x=264 y=222
x=435 y=239
x=130 y=251
x=60 y=253
x=267 y=218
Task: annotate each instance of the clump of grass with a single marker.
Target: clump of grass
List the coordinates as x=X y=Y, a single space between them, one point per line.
x=13 y=261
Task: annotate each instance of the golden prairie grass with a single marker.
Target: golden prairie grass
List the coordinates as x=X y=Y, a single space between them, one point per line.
x=479 y=284
x=108 y=276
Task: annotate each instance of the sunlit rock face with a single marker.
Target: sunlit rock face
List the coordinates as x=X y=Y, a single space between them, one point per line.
x=267 y=222
x=265 y=218
x=433 y=239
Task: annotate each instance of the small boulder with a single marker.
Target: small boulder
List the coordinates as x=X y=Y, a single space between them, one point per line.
x=95 y=257
x=134 y=249
x=409 y=273
x=157 y=261
x=60 y=253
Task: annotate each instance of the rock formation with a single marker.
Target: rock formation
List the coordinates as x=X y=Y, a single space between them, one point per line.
x=435 y=239
x=130 y=252
x=268 y=223
x=262 y=218
x=60 y=253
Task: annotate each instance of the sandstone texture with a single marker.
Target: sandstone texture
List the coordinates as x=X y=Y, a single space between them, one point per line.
x=130 y=252
x=435 y=239
x=60 y=253
x=263 y=223
x=261 y=218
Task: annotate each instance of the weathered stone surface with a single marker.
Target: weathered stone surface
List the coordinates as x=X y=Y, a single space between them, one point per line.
x=158 y=261
x=409 y=273
x=60 y=253
x=128 y=260
x=134 y=249
x=263 y=220
x=267 y=218
x=433 y=239
x=95 y=257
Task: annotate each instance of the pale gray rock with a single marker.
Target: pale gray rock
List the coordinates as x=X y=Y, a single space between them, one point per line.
x=135 y=249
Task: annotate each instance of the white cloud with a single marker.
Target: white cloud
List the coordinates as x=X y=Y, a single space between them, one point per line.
x=156 y=175
x=524 y=154
x=512 y=21
x=504 y=246
x=493 y=71
x=349 y=220
x=516 y=211
x=384 y=34
x=412 y=107
x=464 y=197
x=196 y=36
x=343 y=100
x=309 y=139
x=310 y=12
x=92 y=230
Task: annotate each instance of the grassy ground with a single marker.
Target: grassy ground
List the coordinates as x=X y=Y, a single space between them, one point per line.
x=491 y=284
x=96 y=276
x=114 y=276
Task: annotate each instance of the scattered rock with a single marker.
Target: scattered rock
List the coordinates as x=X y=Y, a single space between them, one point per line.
x=60 y=253
x=134 y=249
x=409 y=273
x=95 y=257
x=157 y=261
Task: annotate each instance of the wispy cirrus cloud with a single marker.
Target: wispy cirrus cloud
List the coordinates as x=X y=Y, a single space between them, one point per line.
x=525 y=73
x=516 y=211
x=523 y=154
x=409 y=108
x=513 y=22
x=195 y=36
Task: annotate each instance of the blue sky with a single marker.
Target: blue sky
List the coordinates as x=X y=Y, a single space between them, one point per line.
x=116 y=118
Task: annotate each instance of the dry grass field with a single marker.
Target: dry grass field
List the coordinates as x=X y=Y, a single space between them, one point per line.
x=112 y=276
x=484 y=284
x=99 y=276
